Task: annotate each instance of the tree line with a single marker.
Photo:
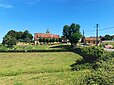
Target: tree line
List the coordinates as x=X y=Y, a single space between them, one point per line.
x=12 y=37
x=107 y=37
x=49 y=40
x=70 y=32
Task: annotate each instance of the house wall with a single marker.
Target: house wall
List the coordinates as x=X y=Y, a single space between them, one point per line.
x=37 y=42
x=92 y=42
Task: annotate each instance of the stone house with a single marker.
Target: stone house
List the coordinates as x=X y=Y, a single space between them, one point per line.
x=92 y=40
x=44 y=35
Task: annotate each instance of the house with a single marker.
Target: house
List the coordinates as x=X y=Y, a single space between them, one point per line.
x=92 y=40
x=46 y=35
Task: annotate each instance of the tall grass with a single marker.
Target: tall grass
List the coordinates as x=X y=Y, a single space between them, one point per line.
x=37 y=68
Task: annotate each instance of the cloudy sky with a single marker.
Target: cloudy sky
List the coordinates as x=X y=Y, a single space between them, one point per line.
x=38 y=15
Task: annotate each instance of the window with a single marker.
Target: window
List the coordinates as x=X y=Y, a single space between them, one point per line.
x=93 y=42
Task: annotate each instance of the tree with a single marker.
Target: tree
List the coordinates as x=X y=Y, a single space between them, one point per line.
x=102 y=38
x=72 y=33
x=19 y=35
x=66 y=31
x=57 y=40
x=60 y=39
x=75 y=37
x=25 y=34
x=44 y=40
x=9 y=41
x=13 y=36
x=40 y=40
x=108 y=37
x=53 y=40
x=12 y=33
x=27 y=37
x=47 y=40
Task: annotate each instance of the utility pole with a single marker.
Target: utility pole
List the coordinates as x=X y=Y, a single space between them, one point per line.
x=97 y=26
x=83 y=33
x=83 y=37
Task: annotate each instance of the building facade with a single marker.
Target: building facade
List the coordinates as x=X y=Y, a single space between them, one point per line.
x=46 y=35
x=92 y=40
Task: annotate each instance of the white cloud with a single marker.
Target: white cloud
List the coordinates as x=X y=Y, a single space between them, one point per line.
x=5 y=4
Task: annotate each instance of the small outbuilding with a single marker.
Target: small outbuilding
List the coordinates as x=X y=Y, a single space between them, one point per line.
x=92 y=40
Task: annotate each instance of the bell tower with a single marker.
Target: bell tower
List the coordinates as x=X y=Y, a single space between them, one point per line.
x=47 y=31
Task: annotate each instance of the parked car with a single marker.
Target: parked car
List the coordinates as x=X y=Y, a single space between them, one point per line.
x=109 y=46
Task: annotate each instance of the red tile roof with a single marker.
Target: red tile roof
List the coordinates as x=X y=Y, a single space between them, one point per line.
x=45 y=35
x=92 y=39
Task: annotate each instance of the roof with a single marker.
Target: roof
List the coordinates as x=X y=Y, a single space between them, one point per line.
x=45 y=35
x=92 y=39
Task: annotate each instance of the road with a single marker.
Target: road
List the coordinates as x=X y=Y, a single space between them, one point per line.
x=111 y=50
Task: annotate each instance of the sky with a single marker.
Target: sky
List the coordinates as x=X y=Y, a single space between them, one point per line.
x=38 y=15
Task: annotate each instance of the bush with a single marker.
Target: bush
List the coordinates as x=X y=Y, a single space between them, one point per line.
x=93 y=51
x=104 y=75
x=3 y=47
x=90 y=56
x=102 y=69
x=82 y=66
x=95 y=79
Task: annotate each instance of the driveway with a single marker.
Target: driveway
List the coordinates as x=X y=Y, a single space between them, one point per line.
x=111 y=50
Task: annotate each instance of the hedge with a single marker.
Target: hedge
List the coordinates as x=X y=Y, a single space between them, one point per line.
x=26 y=51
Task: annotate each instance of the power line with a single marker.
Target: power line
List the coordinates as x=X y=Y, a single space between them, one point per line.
x=100 y=29
x=89 y=30
x=106 y=28
x=93 y=32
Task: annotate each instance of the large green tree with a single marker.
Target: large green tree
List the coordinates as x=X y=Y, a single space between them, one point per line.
x=12 y=33
x=72 y=33
x=19 y=35
x=108 y=37
x=13 y=36
x=9 y=41
x=27 y=37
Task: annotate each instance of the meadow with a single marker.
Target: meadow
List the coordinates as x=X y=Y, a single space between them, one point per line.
x=39 y=68
x=110 y=43
x=35 y=47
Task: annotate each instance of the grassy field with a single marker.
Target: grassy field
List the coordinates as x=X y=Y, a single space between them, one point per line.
x=38 y=68
x=40 y=47
x=110 y=43
x=32 y=47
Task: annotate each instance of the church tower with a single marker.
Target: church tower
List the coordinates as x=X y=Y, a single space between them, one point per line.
x=47 y=31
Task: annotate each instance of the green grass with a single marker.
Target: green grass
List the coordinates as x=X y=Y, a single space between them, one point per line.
x=38 y=68
x=36 y=47
x=110 y=43
x=32 y=47
x=40 y=47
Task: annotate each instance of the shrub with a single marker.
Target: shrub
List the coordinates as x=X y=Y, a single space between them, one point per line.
x=93 y=51
x=95 y=79
x=90 y=56
x=103 y=75
x=3 y=47
x=102 y=69
x=82 y=66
